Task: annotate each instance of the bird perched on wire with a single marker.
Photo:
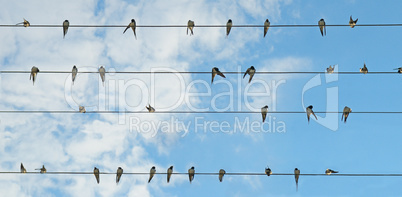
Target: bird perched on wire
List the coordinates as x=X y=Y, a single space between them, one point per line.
x=25 y=23
x=215 y=71
x=321 y=24
x=190 y=26
x=133 y=25
x=352 y=23
x=266 y=27
x=102 y=74
x=346 y=112
x=399 y=69
x=82 y=109
x=22 y=168
x=297 y=174
x=150 y=108
x=329 y=171
x=309 y=111
x=268 y=171
x=222 y=172
x=264 y=111
x=169 y=173
x=118 y=174
x=34 y=73
x=228 y=27
x=191 y=173
x=96 y=173
x=251 y=72
x=364 y=70
x=42 y=170
x=74 y=73
x=66 y=24
x=330 y=69
x=151 y=173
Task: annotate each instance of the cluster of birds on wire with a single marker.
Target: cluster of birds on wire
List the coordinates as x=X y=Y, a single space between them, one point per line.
x=191 y=25
x=191 y=173
x=215 y=71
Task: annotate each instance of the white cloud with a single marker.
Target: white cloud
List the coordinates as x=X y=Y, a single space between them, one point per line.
x=78 y=142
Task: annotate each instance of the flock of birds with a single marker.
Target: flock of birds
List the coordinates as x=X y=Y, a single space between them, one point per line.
x=190 y=172
x=191 y=25
x=215 y=71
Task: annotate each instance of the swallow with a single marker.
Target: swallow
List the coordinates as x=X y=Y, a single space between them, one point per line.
x=133 y=25
x=215 y=71
x=399 y=69
x=65 y=27
x=169 y=173
x=264 y=111
x=191 y=173
x=102 y=74
x=321 y=24
x=251 y=72
x=297 y=174
x=42 y=170
x=330 y=69
x=96 y=173
x=345 y=113
x=25 y=23
x=222 y=173
x=190 y=26
x=74 y=73
x=266 y=27
x=118 y=174
x=82 y=109
x=329 y=171
x=23 y=170
x=364 y=70
x=228 y=27
x=309 y=111
x=34 y=72
x=150 y=109
x=151 y=173
x=352 y=23
x=268 y=171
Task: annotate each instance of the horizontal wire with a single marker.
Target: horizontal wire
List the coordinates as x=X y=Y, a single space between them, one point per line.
x=247 y=26
x=217 y=173
x=201 y=112
x=199 y=72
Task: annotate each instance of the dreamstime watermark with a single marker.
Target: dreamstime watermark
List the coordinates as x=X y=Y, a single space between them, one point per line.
x=202 y=125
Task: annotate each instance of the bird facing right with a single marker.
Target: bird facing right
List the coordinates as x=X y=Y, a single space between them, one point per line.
x=346 y=112
x=228 y=27
x=191 y=173
x=118 y=174
x=297 y=174
x=321 y=24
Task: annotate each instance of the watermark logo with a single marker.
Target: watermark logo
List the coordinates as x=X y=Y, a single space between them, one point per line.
x=328 y=120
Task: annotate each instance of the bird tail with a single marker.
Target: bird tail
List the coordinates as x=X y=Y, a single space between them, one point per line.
x=126 y=29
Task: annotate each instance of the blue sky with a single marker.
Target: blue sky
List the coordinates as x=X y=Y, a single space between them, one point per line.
x=367 y=143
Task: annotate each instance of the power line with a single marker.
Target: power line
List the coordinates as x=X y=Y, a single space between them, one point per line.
x=198 y=72
x=227 y=173
x=207 y=25
x=199 y=112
